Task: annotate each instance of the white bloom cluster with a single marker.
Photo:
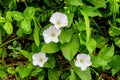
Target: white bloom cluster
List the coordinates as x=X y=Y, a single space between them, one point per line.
x=51 y=34
x=83 y=61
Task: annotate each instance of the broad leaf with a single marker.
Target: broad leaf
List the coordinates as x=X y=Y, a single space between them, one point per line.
x=64 y=37
x=106 y=53
x=53 y=74
x=71 y=48
x=70 y=19
x=83 y=75
x=2 y=20
x=23 y=71
x=8 y=16
x=50 y=47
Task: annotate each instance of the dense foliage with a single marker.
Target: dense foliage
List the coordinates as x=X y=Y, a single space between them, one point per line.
x=92 y=29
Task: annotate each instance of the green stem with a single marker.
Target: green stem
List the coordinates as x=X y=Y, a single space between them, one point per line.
x=9 y=41
x=98 y=27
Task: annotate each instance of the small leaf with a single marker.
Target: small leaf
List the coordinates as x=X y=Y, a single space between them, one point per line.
x=8 y=27
x=3 y=74
x=29 y=13
x=17 y=15
x=26 y=54
x=8 y=16
x=70 y=49
x=72 y=75
x=11 y=70
x=114 y=31
x=50 y=47
x=64 y=37
x=19 y=32
x=26 y=25
x=2 y=20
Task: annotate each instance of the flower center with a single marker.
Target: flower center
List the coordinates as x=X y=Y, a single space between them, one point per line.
x=41 y=60
x=58 y=23
x=53 y=34
x=81 y=60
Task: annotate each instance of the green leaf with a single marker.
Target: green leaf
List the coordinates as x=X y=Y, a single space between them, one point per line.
x=74 y=2
x=8 y=16
x=91 y=46
x=8 y=27
x=72 y=75
x=70 y=19
x=53 y=74
x=19 y=32
x=35 y=48
x=11 y=70
x=26 y=54
x=23 y=71
x=106 y=53
x=97 y=61
x=2 y=20
x=3 y=74
x=71 y=48
x=115 y=64
x=114 y=31
x=50 y=47
x=87 y=23
x=51 y=62
x=91 y=11
x=29 y=13
x=26 y=25
x=117 y=41
x=36 y=35
x=18 y=16
x=36 y=71
x=83 y=75
x=64 y=37
x=101 y=41
x=98 y=3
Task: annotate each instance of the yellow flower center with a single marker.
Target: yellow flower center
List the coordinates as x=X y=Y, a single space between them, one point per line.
x=53 y=34
x=41 y=60
x=58 y=23
x=81 y=60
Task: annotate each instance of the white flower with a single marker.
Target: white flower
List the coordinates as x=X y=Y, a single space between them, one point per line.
x=39 y=59
x=83 y=61
x=51 y=34
x=59 y=20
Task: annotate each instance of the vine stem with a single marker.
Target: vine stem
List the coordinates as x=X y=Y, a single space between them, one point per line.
x=9 y=41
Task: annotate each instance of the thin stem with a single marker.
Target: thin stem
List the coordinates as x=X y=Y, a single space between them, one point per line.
x=9 y=41
x=25 y=3
x=97 y=26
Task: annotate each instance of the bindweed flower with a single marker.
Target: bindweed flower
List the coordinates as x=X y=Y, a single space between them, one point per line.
x=39 y=59
x=59 y=20
x=51 y=34
x=83 y=61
